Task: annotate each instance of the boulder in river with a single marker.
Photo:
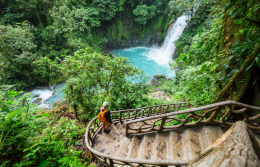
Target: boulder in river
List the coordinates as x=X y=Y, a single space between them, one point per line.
x=37 y=100
x=158 y=76
x=51 y=87
x=37 y=95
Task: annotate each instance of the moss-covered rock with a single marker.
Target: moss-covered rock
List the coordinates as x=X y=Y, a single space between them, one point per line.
x=158 y=76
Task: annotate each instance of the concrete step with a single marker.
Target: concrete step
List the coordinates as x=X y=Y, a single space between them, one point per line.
x=175 y=146
x=147 y=147
x=160 y=146
x=105 y=145
x=121 y=129
x=114 y=134
x=116 y=131
x=192 y=144
x=124 y=147
x=134 y=147
x=209 y=135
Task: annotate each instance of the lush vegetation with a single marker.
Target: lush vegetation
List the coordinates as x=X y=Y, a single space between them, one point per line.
x=29 y=136
x=50 y=41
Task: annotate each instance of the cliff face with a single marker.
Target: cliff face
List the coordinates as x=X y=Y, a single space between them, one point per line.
x=124 y=32
x=135 y=40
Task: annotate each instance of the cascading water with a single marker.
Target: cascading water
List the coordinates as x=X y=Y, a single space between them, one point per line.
x=163 y=55
x=156 y=60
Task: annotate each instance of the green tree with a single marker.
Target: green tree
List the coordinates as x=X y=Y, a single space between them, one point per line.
x=143 y=13
x=93 y=78
x=17 y=52
x=17 y=11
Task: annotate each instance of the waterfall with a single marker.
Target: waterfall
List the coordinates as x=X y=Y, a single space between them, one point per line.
x=163 y=55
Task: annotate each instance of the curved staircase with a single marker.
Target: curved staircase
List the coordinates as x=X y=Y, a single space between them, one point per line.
x=184 y=144
x=146 y=136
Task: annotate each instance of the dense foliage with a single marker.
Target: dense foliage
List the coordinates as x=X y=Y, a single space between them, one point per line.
x=28 y=137
x=42 y=42
x=35 y=29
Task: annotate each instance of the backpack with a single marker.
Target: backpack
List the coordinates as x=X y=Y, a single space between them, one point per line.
x=101 y=115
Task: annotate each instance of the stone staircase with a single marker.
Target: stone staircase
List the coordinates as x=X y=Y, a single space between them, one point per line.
x=150 y=142
x=183 y=144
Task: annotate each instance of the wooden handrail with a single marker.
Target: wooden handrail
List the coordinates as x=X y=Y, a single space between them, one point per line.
x=198 y=109
x=217 y=107
x=146 y=107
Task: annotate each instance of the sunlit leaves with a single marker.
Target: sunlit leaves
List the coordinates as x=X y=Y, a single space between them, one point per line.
x=180 y=7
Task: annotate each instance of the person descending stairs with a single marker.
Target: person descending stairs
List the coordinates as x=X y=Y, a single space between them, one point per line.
x=104 y=117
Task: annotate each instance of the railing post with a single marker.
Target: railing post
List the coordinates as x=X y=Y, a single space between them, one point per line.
x=167 y=108
x=149 y=111
x=129 y=115
x=135 y=113
x=126 y=129
x=111 y=163
x=229 y=110
x=105 y=160
x=162 y=123
x=120 y=117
